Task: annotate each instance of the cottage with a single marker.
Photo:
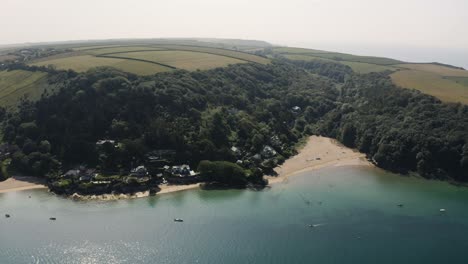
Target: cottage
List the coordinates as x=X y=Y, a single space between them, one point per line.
x=268 y=152
x=87 y=174
x=236 y=151
x=296 y=109
x=139 y=171
x=101 y=142
x=71 y=174
x=181 y=170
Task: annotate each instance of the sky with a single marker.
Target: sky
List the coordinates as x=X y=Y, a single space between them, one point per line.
x=369 y=27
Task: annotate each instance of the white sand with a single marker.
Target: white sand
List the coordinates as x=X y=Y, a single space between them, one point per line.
x=20 y=183
x=319 y=152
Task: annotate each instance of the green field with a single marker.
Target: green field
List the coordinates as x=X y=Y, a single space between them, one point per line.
x=7 y=57
x=446 y=83
x=110 y=50
x=17 y=84
x=459 y=80
x=363 y=68
x=359 y=64
x=147 y=59
x=83 y=63
x=335 y=56
x=186 y=60
x=434 y=68
x=216 y=51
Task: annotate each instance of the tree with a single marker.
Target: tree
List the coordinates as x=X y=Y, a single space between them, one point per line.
x=222 y=172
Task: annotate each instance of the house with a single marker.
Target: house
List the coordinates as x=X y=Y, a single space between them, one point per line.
x=268 y=152
x=71 y=174
x=101 y=142
x=236 y=151
x=296 y=109
x=181 y=170
x=139 y=171
x=87 y=174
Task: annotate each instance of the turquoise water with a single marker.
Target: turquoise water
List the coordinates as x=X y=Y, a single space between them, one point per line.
x=355 y=210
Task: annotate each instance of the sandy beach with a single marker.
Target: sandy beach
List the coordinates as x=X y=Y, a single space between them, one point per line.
x=317 y=153
x=20 y=183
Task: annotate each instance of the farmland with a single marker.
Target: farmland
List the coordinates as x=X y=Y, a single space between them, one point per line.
x=17 y=84
x=335 y=56
x=180 y=59
x=446 y=83
x=83 y=63
x=147 y=59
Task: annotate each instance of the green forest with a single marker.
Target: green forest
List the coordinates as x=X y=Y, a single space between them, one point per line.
x=235 y=123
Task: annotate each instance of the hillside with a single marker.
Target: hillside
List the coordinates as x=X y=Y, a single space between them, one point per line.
x=446 y=82
x=232 y=124
x=18 y=84
x=150 y=56
x=147 y=59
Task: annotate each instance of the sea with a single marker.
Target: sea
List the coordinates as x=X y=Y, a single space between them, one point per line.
x=350 y=214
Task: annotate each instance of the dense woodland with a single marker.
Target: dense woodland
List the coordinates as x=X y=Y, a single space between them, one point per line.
x=261 y=110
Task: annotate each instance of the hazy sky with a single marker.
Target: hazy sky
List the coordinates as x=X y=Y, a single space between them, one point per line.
x=441 y=24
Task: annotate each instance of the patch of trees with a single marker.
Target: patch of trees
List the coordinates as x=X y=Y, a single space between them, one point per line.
x=261 y=110
x=401 y=130
x=200 y=115
x=223 y=172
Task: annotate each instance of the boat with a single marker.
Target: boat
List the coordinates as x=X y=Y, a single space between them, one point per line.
x=442 y=210
x=7 y=216
x=178 y=220
x=53 y=218
x=400 y=205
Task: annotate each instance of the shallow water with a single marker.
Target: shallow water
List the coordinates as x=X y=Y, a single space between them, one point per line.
x=354 y=209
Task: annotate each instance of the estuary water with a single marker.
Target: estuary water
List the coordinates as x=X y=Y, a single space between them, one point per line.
x=353 y=211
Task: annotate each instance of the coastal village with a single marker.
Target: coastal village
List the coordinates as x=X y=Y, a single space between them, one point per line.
x=159 y=167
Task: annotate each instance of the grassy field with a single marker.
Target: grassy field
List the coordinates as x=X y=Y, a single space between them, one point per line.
x=287 y=50
x=335 y=56
x=363 y=68
x=186 y=60
x=147 y=59
x=7 y=57
x=110 y=50
x=459 y=80
x=431 y=83
x=447 y=83
x=17 y=84
x=304 y=57
x=358 y=67
x=436 y=69
x=83 y=63
x=216 y=51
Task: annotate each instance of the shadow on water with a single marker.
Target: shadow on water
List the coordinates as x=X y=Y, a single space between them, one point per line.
x=213 y=194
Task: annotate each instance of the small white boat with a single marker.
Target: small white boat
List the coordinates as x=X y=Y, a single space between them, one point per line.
x=442 y=210
x=178 y=220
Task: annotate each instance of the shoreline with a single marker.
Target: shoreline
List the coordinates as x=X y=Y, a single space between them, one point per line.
x=111 y=196
x=318 y=153
x=21 y=183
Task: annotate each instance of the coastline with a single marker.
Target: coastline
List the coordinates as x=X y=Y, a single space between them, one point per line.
x=21 y=183
x=317 y=153
x=110 y=197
